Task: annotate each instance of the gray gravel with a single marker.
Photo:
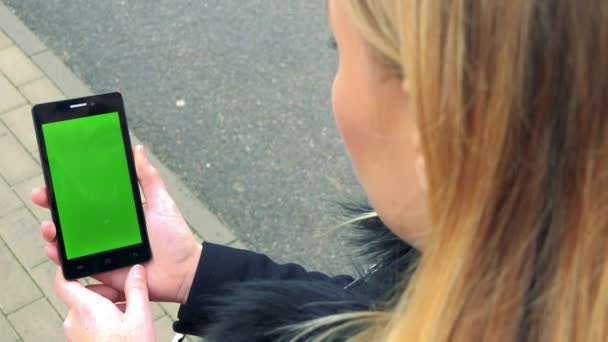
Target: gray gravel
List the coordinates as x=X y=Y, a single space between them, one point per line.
x=234 y=96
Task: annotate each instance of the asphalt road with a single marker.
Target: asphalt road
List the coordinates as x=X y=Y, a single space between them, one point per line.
x=234 y=96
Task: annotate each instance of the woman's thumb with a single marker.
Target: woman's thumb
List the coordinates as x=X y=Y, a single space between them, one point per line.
x=136 y=293
x=149 y=179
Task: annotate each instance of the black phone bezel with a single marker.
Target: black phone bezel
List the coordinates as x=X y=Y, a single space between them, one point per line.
x=78 y=108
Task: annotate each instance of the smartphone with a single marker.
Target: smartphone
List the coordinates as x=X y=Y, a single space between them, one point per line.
x=88 y=167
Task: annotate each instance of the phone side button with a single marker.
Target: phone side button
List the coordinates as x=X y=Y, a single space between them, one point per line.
x=135 y=254
x=79 y=267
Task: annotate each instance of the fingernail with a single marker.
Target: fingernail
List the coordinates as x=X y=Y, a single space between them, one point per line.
x=140 y=148
x=137 y=272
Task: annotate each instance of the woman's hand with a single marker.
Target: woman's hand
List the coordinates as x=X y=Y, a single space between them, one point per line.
x=175 y=252
x=94 y=318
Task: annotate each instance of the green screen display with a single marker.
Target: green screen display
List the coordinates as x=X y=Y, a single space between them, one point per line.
x=92 y=186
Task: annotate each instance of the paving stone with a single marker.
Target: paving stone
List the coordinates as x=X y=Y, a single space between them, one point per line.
x=17 y=66
x=38 y=322
x=171 y=309
x=9 y=95
x=163 y=329
x=24 y=189
x=16 y=288
x=20 y=122
x=4 y=40
x=44 y=275
x=21 y=232
x=42 y=90
x=36 y=156
x=197 y=236
x=90 y=281
x=83 y=281
x=157 y=311
x=8 y=200
x=7 y=333
x=16 y=164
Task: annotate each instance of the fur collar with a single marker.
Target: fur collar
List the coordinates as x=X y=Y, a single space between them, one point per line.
x=256 y=311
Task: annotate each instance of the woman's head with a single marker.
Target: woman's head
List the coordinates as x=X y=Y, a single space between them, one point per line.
x=507 y=100
x=374 y=113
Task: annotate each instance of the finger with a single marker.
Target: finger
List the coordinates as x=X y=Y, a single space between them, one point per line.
x=75 y=295
x=107 y=292
x=51 y=252
x=154 y=190
x=47 y=228
x=115 y=279
x=39 y=196
x=141 y=195
x=136 y=293
x=68 y=326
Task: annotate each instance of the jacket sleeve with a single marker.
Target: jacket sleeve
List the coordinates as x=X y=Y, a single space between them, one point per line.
x=221 y=266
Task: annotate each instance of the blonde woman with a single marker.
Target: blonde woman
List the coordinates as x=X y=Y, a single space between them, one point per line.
x=479 y=131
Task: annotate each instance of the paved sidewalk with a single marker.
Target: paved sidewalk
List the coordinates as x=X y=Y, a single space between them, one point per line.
x=29 y=74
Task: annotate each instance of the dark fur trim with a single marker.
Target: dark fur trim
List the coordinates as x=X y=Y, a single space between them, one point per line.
x=373 y=239
x=394 y=258
x=255 y=311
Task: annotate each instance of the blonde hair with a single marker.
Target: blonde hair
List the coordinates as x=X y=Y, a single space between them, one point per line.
x=510 y=99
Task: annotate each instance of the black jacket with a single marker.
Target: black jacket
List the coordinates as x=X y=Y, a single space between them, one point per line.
x=239 y=295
